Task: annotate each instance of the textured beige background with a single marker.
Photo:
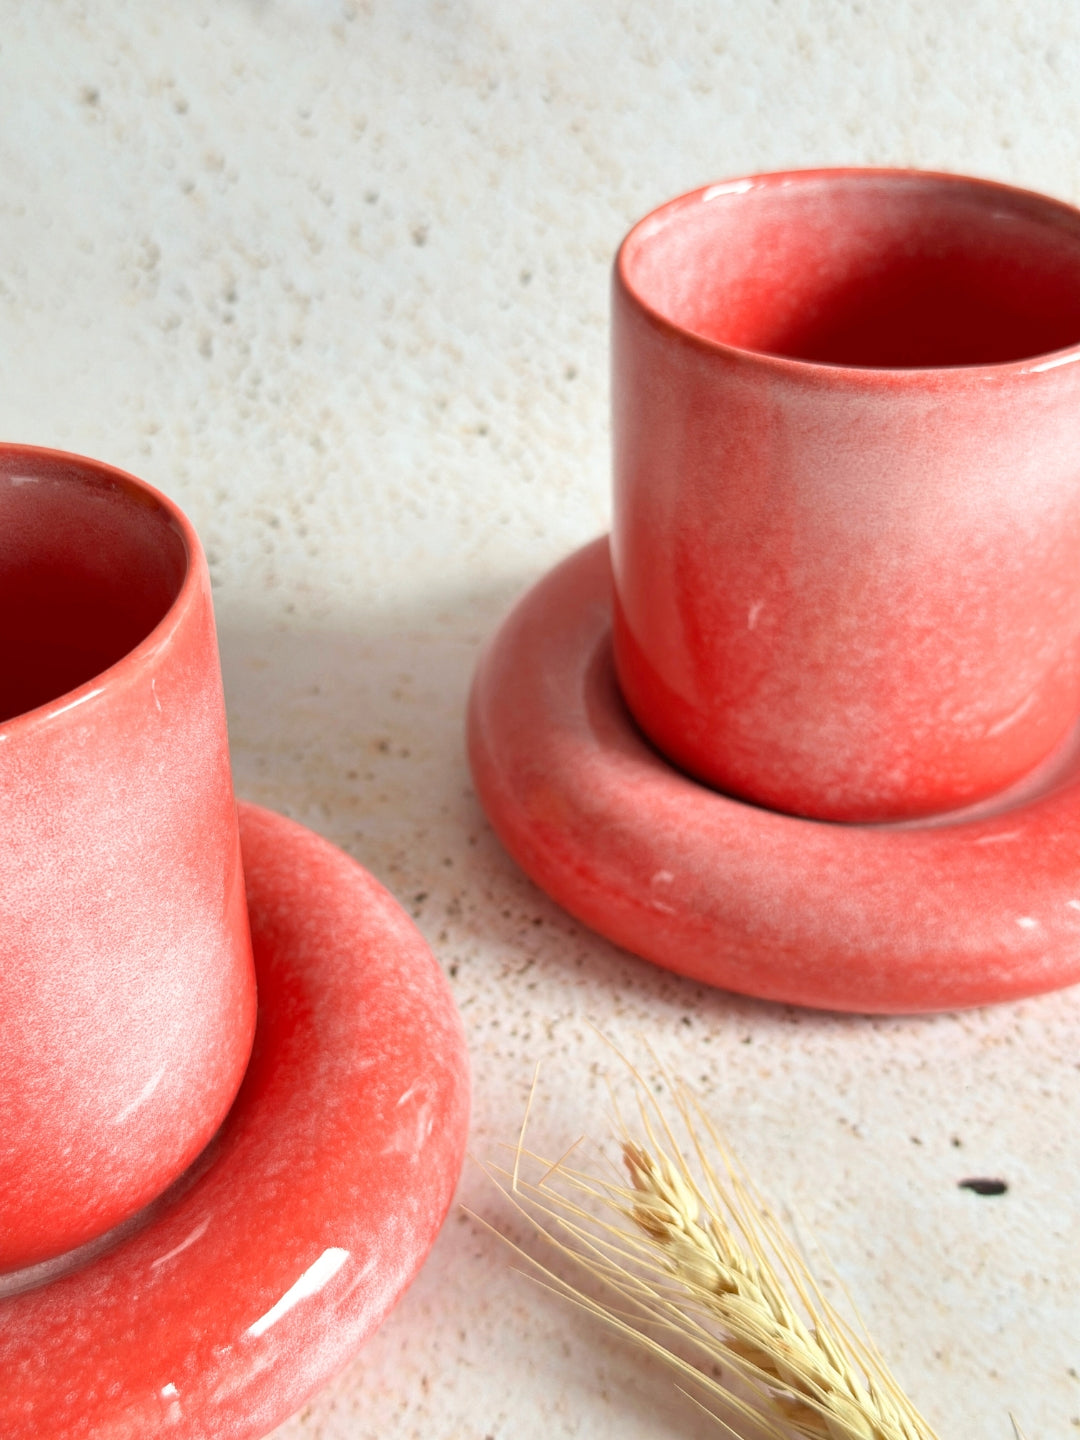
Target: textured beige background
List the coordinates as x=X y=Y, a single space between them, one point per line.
x=335 y=277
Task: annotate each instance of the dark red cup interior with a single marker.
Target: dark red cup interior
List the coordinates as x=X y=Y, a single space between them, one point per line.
x=89 y=566
x=869 y=269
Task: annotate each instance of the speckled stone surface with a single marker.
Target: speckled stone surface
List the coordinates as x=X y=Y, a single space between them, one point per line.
x=336 y=279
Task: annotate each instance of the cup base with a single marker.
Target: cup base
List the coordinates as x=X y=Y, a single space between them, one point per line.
x=970 y=908
x=255 y=1279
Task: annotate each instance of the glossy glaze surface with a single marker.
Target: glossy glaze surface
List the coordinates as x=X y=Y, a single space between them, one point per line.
x=260 y=1274
x=847 y=487
x=127 y=994
x=873 y=918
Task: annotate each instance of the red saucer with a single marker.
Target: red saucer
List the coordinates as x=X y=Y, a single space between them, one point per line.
x=978 y=906
x=257 y=1277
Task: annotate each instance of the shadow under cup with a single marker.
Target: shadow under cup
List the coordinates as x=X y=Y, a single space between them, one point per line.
x=847 y=487
x=127 y=997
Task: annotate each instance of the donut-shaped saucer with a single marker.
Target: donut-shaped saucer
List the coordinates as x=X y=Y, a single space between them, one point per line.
x=977 y=906
x=256 y=1278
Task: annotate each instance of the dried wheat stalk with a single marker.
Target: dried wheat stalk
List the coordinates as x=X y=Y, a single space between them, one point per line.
x=694 y=1266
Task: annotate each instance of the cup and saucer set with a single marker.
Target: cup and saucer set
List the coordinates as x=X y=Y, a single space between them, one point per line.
x=805 y=727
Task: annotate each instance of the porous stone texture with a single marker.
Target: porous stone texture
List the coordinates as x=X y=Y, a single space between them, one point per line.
x=335 y=277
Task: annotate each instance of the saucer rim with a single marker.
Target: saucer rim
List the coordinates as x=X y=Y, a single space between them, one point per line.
x=953 y=912
x=49 y=1334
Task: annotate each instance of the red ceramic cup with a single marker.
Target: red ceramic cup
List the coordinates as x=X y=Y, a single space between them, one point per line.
x=846 y=542
x=127 y=994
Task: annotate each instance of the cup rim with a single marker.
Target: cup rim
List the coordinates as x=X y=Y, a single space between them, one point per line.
x=156 y=639
x=827 y=372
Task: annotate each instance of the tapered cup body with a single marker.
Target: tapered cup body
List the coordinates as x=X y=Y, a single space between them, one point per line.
x=846 y=545
x=127 y=995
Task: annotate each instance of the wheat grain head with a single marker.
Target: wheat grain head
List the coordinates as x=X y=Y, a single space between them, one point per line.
x=692 y=1264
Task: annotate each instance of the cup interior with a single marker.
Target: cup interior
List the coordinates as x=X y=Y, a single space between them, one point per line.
x=881 y=270
x=89 y=565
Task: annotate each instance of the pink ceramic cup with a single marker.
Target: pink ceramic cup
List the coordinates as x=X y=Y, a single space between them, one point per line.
x=127 y=993
x=846 y=542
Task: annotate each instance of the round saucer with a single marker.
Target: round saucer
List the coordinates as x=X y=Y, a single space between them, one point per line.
x=977 y=906
x=259 y=1274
